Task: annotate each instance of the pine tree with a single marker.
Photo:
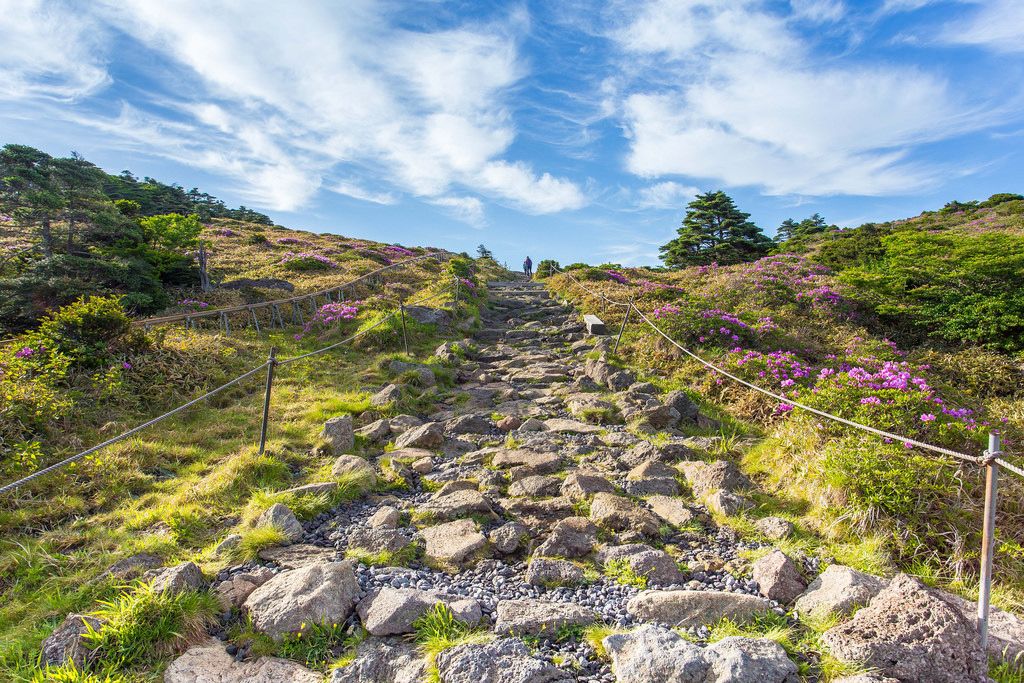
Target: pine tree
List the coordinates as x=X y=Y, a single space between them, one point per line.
x=786 y=230
x=484 y=252
x=715 y=231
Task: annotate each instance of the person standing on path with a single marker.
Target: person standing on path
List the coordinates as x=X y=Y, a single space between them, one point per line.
x=528 y=267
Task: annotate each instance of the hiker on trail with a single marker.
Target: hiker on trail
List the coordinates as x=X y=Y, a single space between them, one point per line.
x=528 y=267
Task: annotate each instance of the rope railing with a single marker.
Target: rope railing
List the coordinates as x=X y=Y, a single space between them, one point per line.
x=270 y=365
x=990 y=459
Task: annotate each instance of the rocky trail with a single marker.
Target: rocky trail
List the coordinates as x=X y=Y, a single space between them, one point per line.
x=532 y=513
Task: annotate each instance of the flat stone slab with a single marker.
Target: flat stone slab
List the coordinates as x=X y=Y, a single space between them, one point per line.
x=295 y=556
x=692 y=608
x=536 y=617
x=594 y=324
x=563 y=426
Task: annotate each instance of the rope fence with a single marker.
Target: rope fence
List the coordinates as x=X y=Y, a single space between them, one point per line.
x=990 y=459
x=270 y=365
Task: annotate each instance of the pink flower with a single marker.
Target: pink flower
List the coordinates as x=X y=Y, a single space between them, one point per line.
x=927 y=417
x=25 y=352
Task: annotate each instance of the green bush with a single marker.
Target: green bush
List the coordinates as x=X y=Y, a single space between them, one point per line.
x=84 y=331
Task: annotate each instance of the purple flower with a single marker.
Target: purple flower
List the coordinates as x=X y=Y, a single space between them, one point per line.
x=25 y=352
x=617 y=276
x=126 y=365
x=927 y=417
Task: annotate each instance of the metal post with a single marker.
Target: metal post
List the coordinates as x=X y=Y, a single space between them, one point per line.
x=255 y=320
x=625 y=319
x=272 y=362
x=988 y=535
x=405 y=333
x=224 y=321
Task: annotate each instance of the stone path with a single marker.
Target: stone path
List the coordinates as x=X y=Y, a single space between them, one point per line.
x=532 y=511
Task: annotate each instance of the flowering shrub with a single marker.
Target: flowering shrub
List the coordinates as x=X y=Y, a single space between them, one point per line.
x=194 y=304
x=688 y=323
x=307 y=261
x=329 y=314
x=289 y=240
x=396 y=250
x=225 y=232
x=617 y=276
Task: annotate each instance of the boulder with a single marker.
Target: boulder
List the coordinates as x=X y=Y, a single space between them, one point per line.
x=683 y=404
x=727 y=503
x=530 y=461
x=707 y=477
x=911 y=633
x=580 y=486
x=392 y=611
x=778 y=577
x=509 y=537
x=537 y=617
x=621 y=514
x=507 y=424
x=430 y=435
x=838 y=590
x=652 y=478
x=468 y=424
x=563 y=426
x=383 y=659
x=386 y=396
x=354 y=467
x=621 y=380
x=454 y=543
x=372 y=539
x=65 y=645
x=386 y=517
x=186 y=576
x=749 y=660
x=281 y=517
x=429 y=316
x=455 y=505
x=547 y=572
x=209 y=663
x=569 y=537
x=656 y=566
x=423 y=374
x=424 y=465
x=653 y=654
x=659 y=416
x=376 y=431
x=400 y=424
x=694 y=608
x=339 y=433
x=535 y=485
x=318 y=593
x=506 y=660
x=234 y=591
x=297 y=555
x=774 y=528
x=672 y=510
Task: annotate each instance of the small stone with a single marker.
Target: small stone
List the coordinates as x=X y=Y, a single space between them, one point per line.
x=386 y=517
x=338 y=432
x=509 y=537
x=182 y=577
x=621 y=514
x=727 y=503
x=778 y=578
x=506 y=660
x=386 y=396
x=774 y=528
x=423 y=465
x=507 y=424
x=580 y=486
x=66 y=645
x=672 y=510
x=535 y=485
x=356 y=468
x=547 y=572
x=281 y=517
x=230 y=542
x=430 y=435
x=570 y=537
x=707 y=477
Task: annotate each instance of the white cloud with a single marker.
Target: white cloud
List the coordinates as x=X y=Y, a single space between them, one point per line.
x=739 y=99
x=356 y=191
x=894 y=6
x=996 y=24
x=466 y=209
x=280 y=96
x=666 y=195
x=818 y=11
x=48 y=51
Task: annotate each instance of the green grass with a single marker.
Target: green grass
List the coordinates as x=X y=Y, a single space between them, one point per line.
x=1006 y=672
x=596 y=634
x=314 y=646
x=437 y=630
x=385 y=558
x=141 y=625
x=69 y=673
x=621 y=571
x=255 y=539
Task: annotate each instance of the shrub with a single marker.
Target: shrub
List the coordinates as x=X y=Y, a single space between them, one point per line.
x=307 y=261
x=83 y=331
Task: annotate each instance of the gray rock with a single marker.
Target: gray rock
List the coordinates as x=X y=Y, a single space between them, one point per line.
x=653 y=654
x=911 y=633
x=376 y=431
x=536 y=617
x=865 y=678
x=454 y=486
x=209 y=663
x=749 y=660
x=656 y=566
x=186 y=576
x=65 y=645
x=339 y=433
x=423 y=374
x=580 y=486
x=530 y=461
x=509 y=537
x=386 y=396
x=694 y=608
x=506 y=660
x=621 y=514
x=672 y=510
x=547 y=572
x=228 y=544
x=570 y=537
x=424 y=465
x=386 y=517
x=621 y=380
x=298 y=555
x=535 y=485
x=562 y=426
x=322 y=488
x=317 y=593
x=778 y=577
x=660 y=416
x=429 y=316
x=838 y=590
x=281 y=517
x=468 y=424
x=532 y=425
x=234 y=591
x=355 y=467
x=377 y=539
x=727 y=502
x=457 y=504
x=379 y=660
x=430 y=435
x=683 y=404
x=400 y=424
x=392 y=611
x=454 y=543
x=774 y=528
x=132 y=567
x=707 y=477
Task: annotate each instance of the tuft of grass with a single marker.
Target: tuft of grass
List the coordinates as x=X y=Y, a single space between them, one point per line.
x=622 y=572
x=437 y=630
x=142 y=625
x=1006 y=672
x=763 y=625
x=512 y=442
x=256 y=539
x=69 y=673
x=596 y=634
x=314 y=645
x=385 y=558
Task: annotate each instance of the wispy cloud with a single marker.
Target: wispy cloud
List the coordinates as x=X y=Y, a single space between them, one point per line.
x=469 y=210
x=994 y=24
x=356 y=191
x=666 y=195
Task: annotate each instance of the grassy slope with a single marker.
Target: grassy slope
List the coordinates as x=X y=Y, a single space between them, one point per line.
x=177 y=488
x=911 y=513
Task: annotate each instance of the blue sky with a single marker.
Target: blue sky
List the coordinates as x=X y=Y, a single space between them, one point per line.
x=571 y=130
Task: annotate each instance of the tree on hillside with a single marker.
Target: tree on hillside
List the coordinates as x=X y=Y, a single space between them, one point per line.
x=28 y=189
x=790 y=229
x=715 y=231
x=484 y=252
x=80 y=187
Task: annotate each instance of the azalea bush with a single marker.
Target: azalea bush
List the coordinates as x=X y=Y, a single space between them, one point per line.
x=329 y=316
x=307 y=261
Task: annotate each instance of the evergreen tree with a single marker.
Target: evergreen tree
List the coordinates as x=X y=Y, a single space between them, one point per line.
x=786 y=230
x=714 y=230
x=484 y=252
